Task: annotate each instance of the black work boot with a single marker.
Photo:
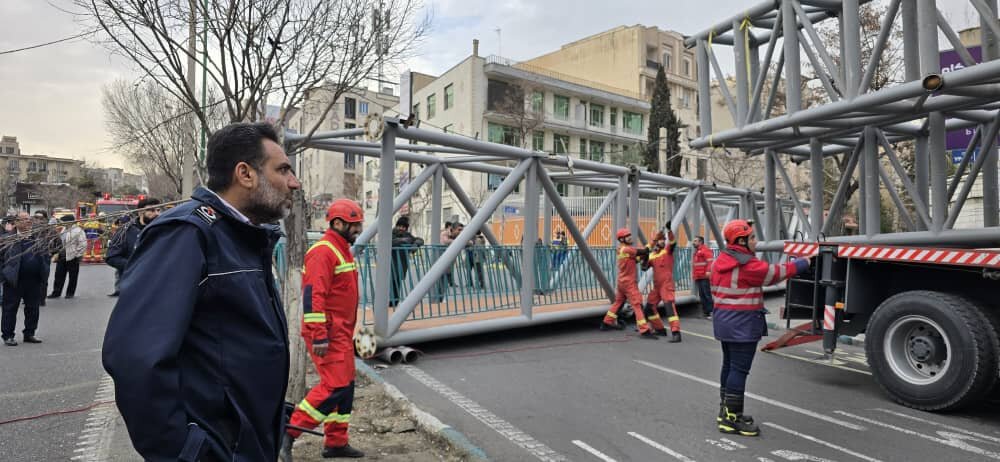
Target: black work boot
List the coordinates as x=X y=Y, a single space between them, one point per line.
x=676 y=338
x=32 y=339
x=722 y=405
x=735 y=423
x=649 y=335
x=345 y=451
x=285 y=453
x=615 y=326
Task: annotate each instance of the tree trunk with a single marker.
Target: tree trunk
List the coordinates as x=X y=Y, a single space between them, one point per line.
x=295 y=250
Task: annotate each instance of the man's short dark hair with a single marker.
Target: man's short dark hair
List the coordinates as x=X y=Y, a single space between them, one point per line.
x=700 y=238
x=42 y=213
x=148 y=202
x=232 y=144
x=67 y=218
x=403 y=222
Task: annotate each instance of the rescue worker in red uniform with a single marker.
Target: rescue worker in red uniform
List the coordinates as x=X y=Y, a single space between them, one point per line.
x=329 y=306
x=737 y=280
x=660 y=301
x=628 y=287
x=700 y=272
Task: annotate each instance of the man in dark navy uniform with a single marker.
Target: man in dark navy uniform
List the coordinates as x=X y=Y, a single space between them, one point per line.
x=198 y=344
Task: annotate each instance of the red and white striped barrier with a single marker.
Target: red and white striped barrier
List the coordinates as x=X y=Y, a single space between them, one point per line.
x=801 y=249
x=829 y=317
x=959 y=257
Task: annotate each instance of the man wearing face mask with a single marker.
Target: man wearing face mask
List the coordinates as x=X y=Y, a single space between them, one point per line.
x=197 y=344
x=329 y=307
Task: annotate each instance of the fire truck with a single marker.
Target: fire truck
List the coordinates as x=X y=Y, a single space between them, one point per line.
x=931 y=316
x=97 y=230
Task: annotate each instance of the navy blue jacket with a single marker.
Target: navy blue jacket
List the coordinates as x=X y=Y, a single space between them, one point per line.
x=198 y=343
x=122 y=245
x=12 y=256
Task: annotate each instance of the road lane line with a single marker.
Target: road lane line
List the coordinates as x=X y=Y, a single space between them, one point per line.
x=594 y=452
x=818 y=363
x=491 y=420
x=677 y=455
x=94 y=442
x=790 y=407
x=954 y=440
x=819 y=441
x=793 y=455
x=936 y=424
x=732 y=443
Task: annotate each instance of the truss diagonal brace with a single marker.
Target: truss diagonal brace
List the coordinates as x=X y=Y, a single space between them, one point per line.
x=397 y=203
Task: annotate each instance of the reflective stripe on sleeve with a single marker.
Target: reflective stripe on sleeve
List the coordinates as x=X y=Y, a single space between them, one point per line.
x=314 y=317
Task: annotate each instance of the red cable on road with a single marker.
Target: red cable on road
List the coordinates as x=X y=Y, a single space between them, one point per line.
x=48 y=414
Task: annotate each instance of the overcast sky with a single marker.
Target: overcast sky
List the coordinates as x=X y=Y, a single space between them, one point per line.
x=50 y=97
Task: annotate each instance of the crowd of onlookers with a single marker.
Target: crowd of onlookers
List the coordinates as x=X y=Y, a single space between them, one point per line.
x=30 y=243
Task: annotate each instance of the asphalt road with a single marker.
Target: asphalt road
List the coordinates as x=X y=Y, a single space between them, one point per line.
x=63 y=373
x=570 y=392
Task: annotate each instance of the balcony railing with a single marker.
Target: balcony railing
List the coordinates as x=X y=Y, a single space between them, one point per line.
x=652 y=64
x=494 y=59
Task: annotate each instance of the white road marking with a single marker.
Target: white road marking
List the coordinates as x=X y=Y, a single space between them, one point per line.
x=819 y=441
x=595 y=452
x=819 y=362
x=94 y=442
x=677 y=455
x=954 y=440
x=491 y=420
x=721 y=445
x=770 y=401
x=792 y=455
x=936 y=424
x=732 y=443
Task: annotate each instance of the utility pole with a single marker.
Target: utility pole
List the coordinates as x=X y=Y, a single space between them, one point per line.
x=662 y=156
x=187 y=166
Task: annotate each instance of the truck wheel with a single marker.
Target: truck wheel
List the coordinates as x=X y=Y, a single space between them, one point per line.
x=932 y=351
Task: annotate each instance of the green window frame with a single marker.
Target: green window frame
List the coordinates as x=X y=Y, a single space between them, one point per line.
x=596 y=115
x=538 y=102
x=538 y=141
x=449 y=96
x=560 y=144
x=431 y=106
x=560 y=107
x=632 y=123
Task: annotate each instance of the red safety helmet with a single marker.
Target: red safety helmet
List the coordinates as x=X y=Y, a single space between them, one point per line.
x=624 y=232
x=346 y=210
x=736 y=229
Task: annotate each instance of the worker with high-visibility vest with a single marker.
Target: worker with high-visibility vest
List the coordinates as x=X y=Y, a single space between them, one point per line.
x=660 y=300
x=329 y=306
x=628 y=286
x=738 y=277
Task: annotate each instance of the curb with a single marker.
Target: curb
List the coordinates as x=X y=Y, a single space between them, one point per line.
x=843 y=339
x=424 y=420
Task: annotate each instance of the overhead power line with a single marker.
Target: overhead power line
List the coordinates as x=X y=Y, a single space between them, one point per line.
x=40 y=45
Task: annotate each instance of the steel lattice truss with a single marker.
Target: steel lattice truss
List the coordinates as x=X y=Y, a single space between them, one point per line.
x=690 y=204
x=857 y=121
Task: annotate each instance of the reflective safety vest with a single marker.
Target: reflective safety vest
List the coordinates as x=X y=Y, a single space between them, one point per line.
x=701 y=262
x=330 y=293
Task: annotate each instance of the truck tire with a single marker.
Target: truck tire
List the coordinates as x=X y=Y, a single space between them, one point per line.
x=932 y=351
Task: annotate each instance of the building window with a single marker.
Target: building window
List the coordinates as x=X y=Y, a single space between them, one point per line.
x=363 y=107
x=32 y=166
x=350 y=160
x=583 y=148
x=614 y=117
x=503 y=134
x=702 y=169
x=632 y=123
x=562 y=189
x=416 y=111
x=668 y=59
x=431 y=106
x=538 y=141
x=350 y=108
x=9 y=150
x=496 y=93
x=537 y=102
x=447 y=128
x=686 y=67
x=560 y=144
x=12 y=165
x=596 y=115
x=449 y=97
x=686 y=97
x=43 y=167
x=560 y=107
x=596 y=151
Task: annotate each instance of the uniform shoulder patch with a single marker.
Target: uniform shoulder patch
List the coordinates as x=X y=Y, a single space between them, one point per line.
x=207 y=214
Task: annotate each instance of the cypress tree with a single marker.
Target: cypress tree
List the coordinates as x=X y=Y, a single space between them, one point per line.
x=661 y=114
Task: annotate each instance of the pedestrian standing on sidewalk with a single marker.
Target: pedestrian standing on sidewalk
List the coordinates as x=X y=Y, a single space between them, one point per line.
x=701 y=265
x=660 y=301
x=197 y=344
x=628 y=286
x=48 y=239
x=124 y=242
x=330 y=308
x=738 y=277
x=25 y=265
x=68 y=262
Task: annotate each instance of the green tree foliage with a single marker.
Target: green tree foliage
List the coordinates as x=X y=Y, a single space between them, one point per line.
x=661 y=114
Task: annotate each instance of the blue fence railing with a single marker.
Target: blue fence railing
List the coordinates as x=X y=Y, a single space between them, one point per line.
x=486 y=278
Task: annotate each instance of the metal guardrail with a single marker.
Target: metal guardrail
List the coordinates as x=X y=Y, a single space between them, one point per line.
x=488 y=279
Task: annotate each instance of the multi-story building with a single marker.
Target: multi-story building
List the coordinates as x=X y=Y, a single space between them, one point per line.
x=116 y=180
x=626 y=59
x=498 y=100
x=327 y=175
x=16 y=167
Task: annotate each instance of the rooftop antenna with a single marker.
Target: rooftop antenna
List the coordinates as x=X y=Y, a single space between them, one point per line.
x=499 y=42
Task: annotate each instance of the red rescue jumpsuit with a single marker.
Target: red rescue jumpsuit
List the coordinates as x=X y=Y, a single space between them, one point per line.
x=628 y=288
x=662 y=262
x=329 y=304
